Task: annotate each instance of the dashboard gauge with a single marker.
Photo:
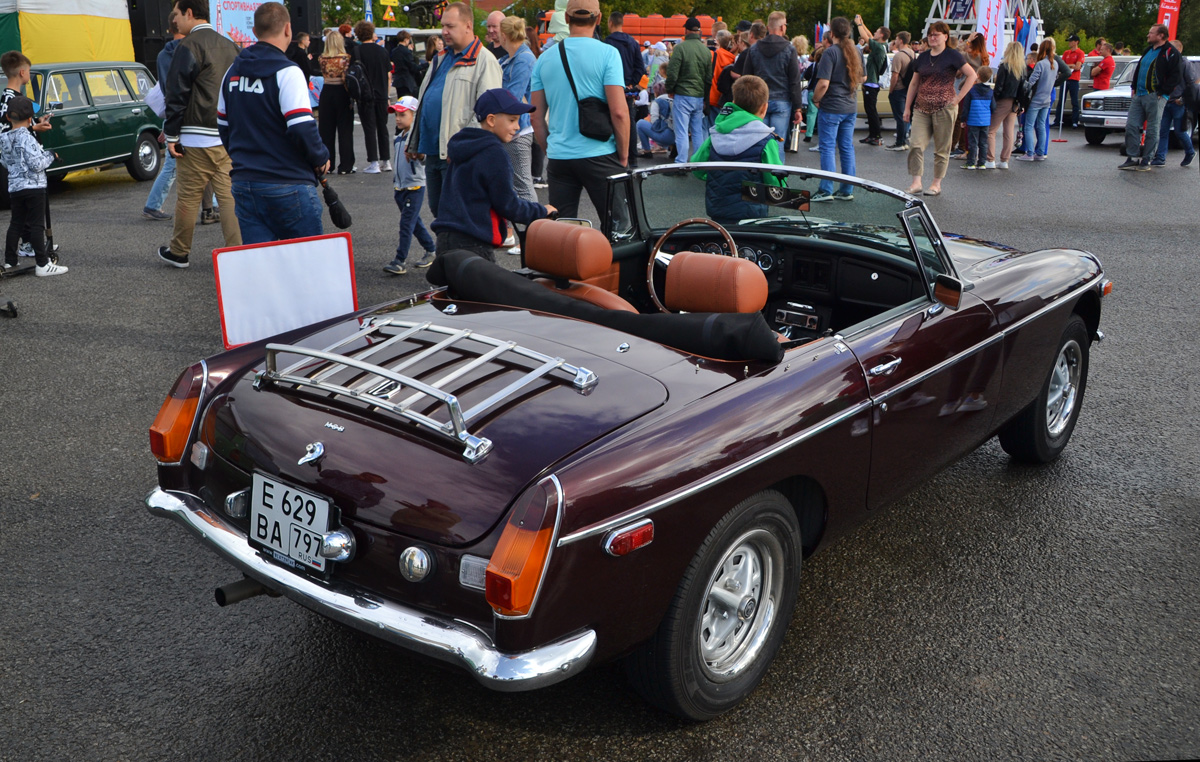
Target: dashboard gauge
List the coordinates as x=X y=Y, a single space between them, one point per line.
x=714 y=248
x=748 y=253
x=765 y=261
x=696 y=247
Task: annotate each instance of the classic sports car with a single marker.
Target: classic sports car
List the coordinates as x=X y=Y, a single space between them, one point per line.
x=626 y=448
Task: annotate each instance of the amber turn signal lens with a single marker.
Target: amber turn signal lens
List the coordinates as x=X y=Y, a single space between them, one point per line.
x=1106 y=287
x=519 y=561
x=171 y=427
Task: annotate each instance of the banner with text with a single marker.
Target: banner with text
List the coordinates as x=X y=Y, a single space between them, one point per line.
x=1168 y=13
x=990 y=23
x=235 y=20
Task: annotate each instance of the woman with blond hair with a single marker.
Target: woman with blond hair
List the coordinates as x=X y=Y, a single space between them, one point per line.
x=932 y=106
x=335 y=119
x=1009 y=75
x=517 y=67
x=1037 y=125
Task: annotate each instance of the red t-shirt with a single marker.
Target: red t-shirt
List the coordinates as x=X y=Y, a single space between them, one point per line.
x=1103 y=78
x=1072 y=57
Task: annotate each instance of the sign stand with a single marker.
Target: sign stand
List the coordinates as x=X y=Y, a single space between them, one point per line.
x=268 y=288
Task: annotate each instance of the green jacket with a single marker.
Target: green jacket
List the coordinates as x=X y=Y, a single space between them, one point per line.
x=876 y=60
x=734 y=131
x=691 y=68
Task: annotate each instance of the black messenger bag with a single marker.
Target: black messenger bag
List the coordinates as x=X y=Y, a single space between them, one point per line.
x=594 y=119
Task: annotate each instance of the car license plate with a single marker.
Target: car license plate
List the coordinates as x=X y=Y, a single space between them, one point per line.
x=1114 y=122
x=289 y=522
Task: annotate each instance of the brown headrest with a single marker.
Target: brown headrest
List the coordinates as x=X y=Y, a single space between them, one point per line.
x=701 y=282
x=567 y=251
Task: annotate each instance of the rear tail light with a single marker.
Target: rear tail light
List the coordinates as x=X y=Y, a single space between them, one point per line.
x=171 y=428
x=519 y=562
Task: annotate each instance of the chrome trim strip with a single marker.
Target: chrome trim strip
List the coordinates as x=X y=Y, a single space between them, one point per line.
x=558 y=515
x=1056 y=303
x=98 y=162
x=720 y=476
x=459 y=643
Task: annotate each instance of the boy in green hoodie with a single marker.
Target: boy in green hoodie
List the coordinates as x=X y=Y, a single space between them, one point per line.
x=739 y=134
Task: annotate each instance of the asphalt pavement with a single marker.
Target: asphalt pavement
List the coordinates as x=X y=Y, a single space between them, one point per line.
x=998 y=612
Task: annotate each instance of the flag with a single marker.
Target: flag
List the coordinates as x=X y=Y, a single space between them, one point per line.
x=1168 y=13
x=990 y=24
x=819 y=32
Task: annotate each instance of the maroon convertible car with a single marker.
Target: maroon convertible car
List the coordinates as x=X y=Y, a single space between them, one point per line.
x=625 y=449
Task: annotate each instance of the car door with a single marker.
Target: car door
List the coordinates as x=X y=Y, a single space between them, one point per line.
x=116 y=112
x=75 y=135
x=933 y=375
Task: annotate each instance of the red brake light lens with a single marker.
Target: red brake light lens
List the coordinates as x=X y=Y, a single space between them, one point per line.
x=171 y=427
x=624 y=541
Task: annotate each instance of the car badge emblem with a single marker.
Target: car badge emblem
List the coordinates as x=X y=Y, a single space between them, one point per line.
x=312 y=453
x=334 y=426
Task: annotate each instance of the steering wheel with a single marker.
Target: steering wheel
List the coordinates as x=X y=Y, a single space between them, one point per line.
x=654 y=252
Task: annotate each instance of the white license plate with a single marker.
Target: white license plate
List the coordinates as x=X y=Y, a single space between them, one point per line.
x=1114 y=122
x=289 y=522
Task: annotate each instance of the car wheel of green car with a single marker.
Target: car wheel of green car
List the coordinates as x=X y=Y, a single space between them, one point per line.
x=146 y=159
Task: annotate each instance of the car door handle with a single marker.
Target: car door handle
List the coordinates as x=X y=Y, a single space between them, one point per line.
x=885 y=369
x=137 y=111
x=93 y=116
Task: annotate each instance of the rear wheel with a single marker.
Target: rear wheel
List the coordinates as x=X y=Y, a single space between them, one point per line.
x=729 y=615
x=1040 y=432
x=144 y=163
x=1094 y=135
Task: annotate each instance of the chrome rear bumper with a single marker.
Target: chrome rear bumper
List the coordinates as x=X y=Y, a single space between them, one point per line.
x=445 y=639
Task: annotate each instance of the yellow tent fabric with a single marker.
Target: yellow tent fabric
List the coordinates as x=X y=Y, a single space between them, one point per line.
x=51 y=38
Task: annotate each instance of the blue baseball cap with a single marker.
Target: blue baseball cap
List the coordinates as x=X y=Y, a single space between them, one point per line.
x=500 y=101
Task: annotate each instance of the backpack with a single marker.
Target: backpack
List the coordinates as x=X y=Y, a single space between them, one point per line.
x=906 y=77
x=356 y=82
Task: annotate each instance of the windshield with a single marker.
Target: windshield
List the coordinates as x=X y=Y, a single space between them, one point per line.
x=775 y=201
x=1127 y=75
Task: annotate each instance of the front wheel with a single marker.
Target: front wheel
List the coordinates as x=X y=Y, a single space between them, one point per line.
x=146 y=159
x=728 y=616
x=1094 y=135
x=1040 y=432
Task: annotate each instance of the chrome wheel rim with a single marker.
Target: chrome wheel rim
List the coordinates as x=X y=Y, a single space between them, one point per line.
x=739 y=607
x=1063 y=391
x=147 y=155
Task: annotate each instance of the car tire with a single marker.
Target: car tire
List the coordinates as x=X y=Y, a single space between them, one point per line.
x=1040 y=432
x=1094 y=135
x=729 y=614
x=146 y=159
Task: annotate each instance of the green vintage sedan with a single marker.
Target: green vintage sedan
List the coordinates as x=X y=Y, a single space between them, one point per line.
x=99 y=116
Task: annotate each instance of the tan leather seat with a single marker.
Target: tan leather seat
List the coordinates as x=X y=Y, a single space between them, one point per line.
x=702 y=282
x=571 y=254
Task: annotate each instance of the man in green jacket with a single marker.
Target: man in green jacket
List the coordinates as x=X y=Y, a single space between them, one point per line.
x=689 y=75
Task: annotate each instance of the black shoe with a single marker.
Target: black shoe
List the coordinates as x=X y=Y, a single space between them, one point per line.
x=1130 y=164
x=350 y=171
x=208 y=217
x=645 y=155
x=164 y=253
x=1187 y=159
x=874 y=141
x=865 y=140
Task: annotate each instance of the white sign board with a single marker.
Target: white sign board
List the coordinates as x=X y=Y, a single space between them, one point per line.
x=990 y=23
x=268 y=288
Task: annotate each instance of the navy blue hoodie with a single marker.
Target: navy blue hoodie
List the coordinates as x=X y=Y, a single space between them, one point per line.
x=265 y=120
x=478 y=194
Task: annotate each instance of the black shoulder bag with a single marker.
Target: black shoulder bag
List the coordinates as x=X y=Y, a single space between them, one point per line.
x=594 y=119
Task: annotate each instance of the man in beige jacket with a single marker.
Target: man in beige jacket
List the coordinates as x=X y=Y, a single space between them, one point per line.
x=455 y=80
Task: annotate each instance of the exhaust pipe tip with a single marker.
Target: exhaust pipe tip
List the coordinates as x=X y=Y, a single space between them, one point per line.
x=236 y=592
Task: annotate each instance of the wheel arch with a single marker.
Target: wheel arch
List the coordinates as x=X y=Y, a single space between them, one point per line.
x=1088 y=308
x=811 y=506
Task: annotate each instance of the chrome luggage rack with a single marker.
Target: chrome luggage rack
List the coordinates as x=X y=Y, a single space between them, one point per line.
x=379 y=384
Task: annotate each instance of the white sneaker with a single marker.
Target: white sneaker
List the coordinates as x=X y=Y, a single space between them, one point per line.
x=49 y=269
x=509 y=242
x=515 y=251
x=989 y=165
x=1002 y=165
x=387 y=166
x=372 y=168
x=814 y=149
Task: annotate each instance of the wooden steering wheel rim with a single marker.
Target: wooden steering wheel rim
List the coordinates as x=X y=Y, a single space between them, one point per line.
x=654 y=251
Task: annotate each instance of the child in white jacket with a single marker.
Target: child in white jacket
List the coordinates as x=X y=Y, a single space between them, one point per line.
x=26 y=162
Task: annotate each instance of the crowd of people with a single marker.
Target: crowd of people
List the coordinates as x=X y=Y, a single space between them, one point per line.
x=479 y=124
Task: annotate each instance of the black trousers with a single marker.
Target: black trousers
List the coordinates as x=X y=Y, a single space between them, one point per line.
x=29 y=222
x=449 y=240
x=336 y=119
x=870 y=105
x=537 y=160
x=568 y=177
x=373 y=115
x=633 y=136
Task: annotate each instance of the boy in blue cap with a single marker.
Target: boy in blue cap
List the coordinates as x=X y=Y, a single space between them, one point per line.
x=478 y=194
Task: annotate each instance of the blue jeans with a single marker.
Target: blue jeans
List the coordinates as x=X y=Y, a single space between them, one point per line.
x=1174 y=114
x=275 y=212
x=689 y=118
x=1146 y=109
x=835 y=132
x=779 y=116
x=409 y=202
x=1037 y=131
x=646 y=132
x=162 y=184
x=896 y=98
x=435 y=176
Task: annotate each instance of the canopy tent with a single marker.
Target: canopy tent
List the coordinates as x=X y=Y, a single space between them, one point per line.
x=50 y=31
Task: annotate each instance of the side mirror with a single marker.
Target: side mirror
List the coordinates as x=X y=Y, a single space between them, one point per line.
x=54 y=105
x=948 y=291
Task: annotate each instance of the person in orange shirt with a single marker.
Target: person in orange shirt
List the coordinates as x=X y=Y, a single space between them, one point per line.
x=724 y=57
x=1073 y=57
